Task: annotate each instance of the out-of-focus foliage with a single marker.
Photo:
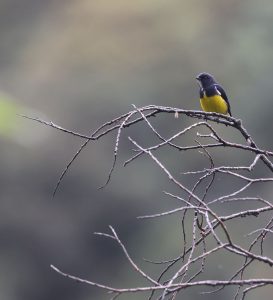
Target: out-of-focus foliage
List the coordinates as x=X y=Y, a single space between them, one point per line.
x=80 y=63
x=8 y=111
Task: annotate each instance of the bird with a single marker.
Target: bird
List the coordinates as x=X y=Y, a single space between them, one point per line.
x=213 y=97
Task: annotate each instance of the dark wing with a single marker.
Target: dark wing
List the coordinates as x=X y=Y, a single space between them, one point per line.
x=223 y=94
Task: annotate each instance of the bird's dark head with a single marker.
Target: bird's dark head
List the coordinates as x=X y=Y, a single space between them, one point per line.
x=205 y=79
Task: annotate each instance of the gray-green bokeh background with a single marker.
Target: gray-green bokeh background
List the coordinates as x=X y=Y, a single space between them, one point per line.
x=81 y=63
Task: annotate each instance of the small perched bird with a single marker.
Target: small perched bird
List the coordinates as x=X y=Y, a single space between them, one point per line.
x=212 y=96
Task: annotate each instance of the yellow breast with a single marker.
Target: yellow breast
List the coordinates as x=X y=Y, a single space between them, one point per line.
x=214 y=104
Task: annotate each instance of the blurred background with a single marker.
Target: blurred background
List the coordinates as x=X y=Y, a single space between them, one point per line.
x=80 y=64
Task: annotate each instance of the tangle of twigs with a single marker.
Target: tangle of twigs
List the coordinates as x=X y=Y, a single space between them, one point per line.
x=210 y=230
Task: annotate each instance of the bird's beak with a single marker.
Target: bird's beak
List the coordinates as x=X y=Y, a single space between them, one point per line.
x=199 y=81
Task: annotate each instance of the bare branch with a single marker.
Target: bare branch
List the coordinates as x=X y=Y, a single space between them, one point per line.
x=205 y=224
